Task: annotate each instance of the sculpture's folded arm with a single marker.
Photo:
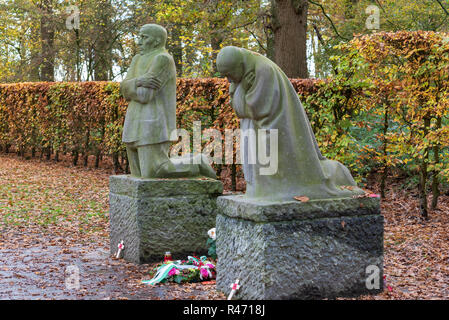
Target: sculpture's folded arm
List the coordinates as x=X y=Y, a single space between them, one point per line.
x=161 y=70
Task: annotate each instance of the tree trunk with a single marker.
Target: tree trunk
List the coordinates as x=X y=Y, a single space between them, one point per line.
x=423 y=174
x=47 y=41
x=48 y=153
x=234 y=177
x=384 y=150
x=127 y=165
x=116 y=161
x=435 y=179
x=75 y=156
x=86 y=148
x=102 y=47
x=290 y=36
x=175 y=47
x=35 y=57
x=98 y=152
x=78 y=57
x=216 y=39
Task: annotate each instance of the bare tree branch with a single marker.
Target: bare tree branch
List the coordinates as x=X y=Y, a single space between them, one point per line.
x=444 y=9
x=330 y=20
x=255 y=37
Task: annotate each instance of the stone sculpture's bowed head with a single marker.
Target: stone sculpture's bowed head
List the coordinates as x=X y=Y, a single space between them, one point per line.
x=230 y=63
x=152 y=36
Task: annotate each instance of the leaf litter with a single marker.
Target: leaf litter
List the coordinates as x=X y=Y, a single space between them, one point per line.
x=53 y=216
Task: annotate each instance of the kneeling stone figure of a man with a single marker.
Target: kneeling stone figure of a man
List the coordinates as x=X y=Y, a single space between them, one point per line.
x=150 y=88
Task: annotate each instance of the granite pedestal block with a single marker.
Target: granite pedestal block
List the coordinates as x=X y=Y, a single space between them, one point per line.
x=293 y=250
x=153 y=216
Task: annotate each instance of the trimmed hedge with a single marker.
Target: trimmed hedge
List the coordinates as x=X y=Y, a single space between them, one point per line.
x=87 y=118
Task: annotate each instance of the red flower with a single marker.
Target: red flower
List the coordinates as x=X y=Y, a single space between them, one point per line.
x=386 y=285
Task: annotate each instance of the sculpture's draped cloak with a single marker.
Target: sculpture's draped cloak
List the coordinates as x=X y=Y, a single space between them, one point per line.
x=272 y=103
x=151 y=114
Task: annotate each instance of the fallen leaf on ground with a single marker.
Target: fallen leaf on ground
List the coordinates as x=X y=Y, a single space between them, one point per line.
x=301 y=198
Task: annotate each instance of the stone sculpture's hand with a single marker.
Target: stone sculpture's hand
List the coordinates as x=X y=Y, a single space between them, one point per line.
x=248 y=81
x=150 y=83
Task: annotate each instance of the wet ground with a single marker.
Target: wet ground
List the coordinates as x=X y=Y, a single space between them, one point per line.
x=55 y=268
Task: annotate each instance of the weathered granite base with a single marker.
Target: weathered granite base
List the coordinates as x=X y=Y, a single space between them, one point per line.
x=153 y=216
x=312 y=250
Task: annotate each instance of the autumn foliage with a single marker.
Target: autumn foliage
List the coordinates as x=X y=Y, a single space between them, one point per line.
x=406 y=102
x=384 y=109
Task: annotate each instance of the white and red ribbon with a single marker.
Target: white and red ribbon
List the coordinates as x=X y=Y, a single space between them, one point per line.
x=121 y=246
x=234 y=287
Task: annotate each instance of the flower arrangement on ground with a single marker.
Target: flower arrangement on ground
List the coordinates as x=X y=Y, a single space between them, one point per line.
x=193 y=270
